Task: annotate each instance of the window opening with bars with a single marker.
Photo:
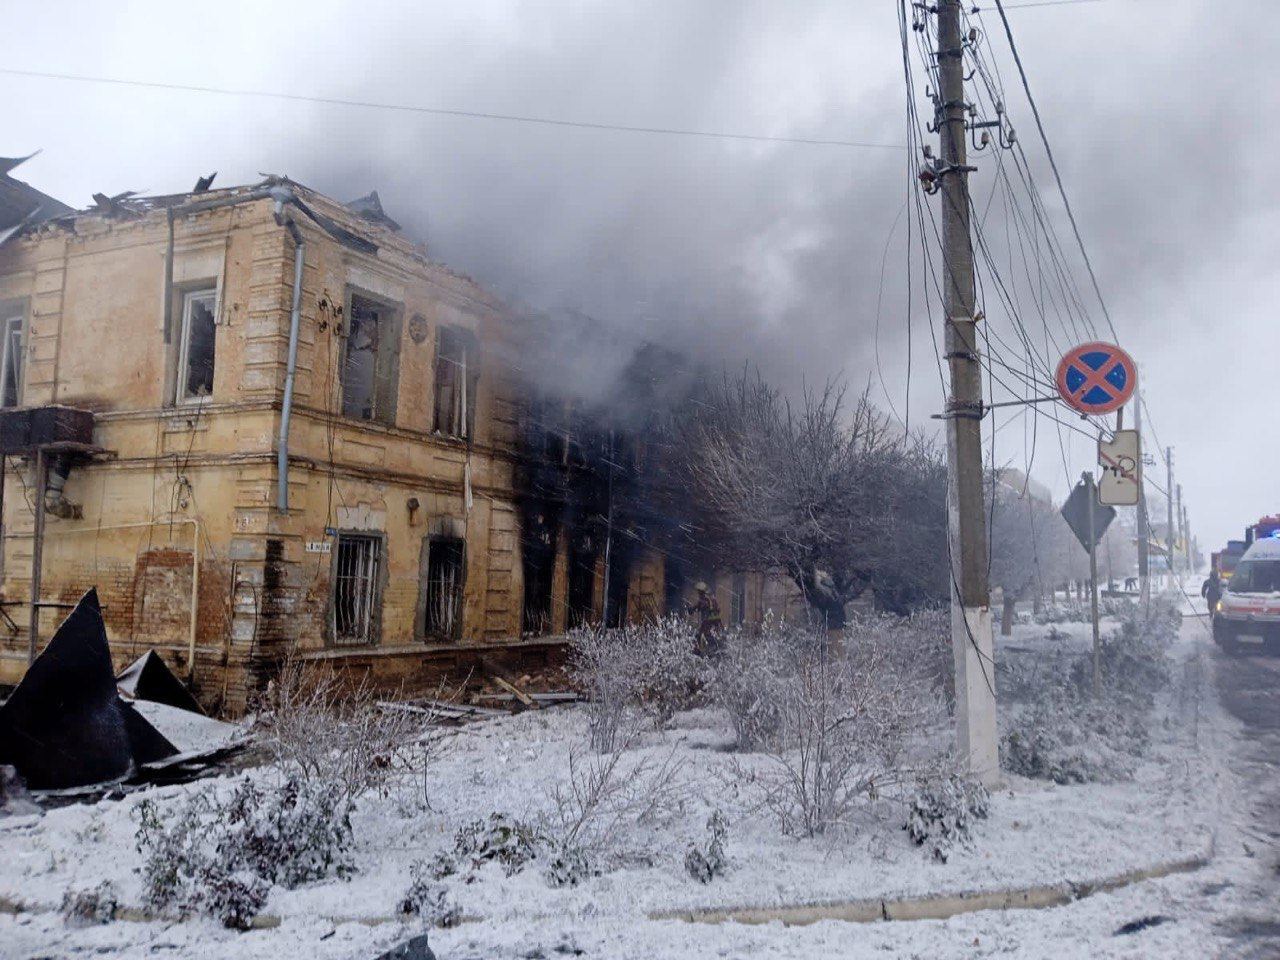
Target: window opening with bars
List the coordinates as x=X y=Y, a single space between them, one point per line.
x=355 y=588
x=446 y=572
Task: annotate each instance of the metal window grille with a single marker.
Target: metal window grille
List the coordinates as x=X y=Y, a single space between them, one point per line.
x=445 y=571
x=355 y=587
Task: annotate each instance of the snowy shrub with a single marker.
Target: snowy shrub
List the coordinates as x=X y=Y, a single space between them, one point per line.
x=940 y=815
x=221 y=856
x=850 y=716
x=669 y=669
x=652 y=668
x=1062 y=732
x=427 y=899
x=321 y=731
x=743 y=680
x=1069 y=611
x=499 y=839
x=605 y=798
x=704 y=864
x=599 y=664
x=569 y=866
x=91 y=906
x=234 y=898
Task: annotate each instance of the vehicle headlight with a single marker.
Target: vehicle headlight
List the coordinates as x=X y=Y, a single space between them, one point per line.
x=1217 y=607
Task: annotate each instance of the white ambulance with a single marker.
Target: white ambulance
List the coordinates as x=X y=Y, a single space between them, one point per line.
x=1249 y=611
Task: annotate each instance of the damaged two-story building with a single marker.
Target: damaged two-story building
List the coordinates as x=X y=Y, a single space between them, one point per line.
x=303 y=442
x=267 y=426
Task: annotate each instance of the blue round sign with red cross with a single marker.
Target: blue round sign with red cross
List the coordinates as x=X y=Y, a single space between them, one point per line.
x=1097 y=378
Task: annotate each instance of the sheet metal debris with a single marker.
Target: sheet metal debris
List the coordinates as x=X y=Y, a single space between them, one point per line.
x=65 y=724
x=148 y=678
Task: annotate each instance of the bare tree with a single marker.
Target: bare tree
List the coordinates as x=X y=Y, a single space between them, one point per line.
x=825 y=490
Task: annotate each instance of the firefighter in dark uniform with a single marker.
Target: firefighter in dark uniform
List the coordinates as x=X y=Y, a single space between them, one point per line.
x=707 y=609
x=1211 y=590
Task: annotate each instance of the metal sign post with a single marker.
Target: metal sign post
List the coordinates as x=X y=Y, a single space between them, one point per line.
x=1093 y=584
x=1089 y=520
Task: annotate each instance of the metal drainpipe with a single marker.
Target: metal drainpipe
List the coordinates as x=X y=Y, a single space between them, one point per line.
x=286 y=410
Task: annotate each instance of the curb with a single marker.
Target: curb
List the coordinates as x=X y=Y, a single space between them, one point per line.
x=935 y=907
x=939 y=907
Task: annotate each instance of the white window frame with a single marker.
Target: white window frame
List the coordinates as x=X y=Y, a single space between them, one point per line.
x=14 y=328
x=189 y=297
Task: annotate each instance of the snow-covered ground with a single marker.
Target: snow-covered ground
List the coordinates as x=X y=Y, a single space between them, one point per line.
x=1038 y=833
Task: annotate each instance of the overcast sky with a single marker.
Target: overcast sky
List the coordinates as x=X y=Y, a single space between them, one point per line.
x=1162 y=116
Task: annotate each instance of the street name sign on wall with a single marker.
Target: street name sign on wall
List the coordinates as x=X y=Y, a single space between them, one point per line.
x=1121 y=460
x=1096 y=378
x=1076 y=512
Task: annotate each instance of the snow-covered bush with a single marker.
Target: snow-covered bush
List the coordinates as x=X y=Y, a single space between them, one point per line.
x=850 y=717
x=599 y=664
x=744 y=675
x=499 y=839
x=569 y=866
x=652 y=668
x=604 y=799
x=1062 y=732
x=90 y=906
x=221 y=855
x=326 y=733
x=941 y=813
x=1069 y=611
x=707 y=862
x=428 y=899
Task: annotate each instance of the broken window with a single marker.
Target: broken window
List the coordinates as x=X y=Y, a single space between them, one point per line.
x=619 y=584
x=11 y=362
x=356 y=571
x=582 y=580
x=538 y=557
x=442 y=598
x=457 y=376
x=195 y=346
x=370 y=363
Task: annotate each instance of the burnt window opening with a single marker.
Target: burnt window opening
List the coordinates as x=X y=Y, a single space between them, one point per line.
x=538 y=558
x=619 y=584
x=457 y=373
x=442 y=595
x=582 y=581
x=357 y=567
x=11 y=362
x=371 y=359
x=196 y=342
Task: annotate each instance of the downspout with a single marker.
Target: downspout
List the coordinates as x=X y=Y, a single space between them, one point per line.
x=286 y=409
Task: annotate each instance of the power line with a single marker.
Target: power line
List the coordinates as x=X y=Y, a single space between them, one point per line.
x=1062 y=191
x=1046 y=3
x=443 y=112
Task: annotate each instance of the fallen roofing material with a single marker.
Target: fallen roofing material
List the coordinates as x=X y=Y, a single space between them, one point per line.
x=148 y=678
x=65 y=724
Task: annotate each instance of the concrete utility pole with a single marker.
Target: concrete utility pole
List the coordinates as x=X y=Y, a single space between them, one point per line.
x=1178 y=519
x=971 y=634
x=1144 y=531
x=1169 y=532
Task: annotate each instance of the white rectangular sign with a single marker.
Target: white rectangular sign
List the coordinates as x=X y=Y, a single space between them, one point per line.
x=1121 y=460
